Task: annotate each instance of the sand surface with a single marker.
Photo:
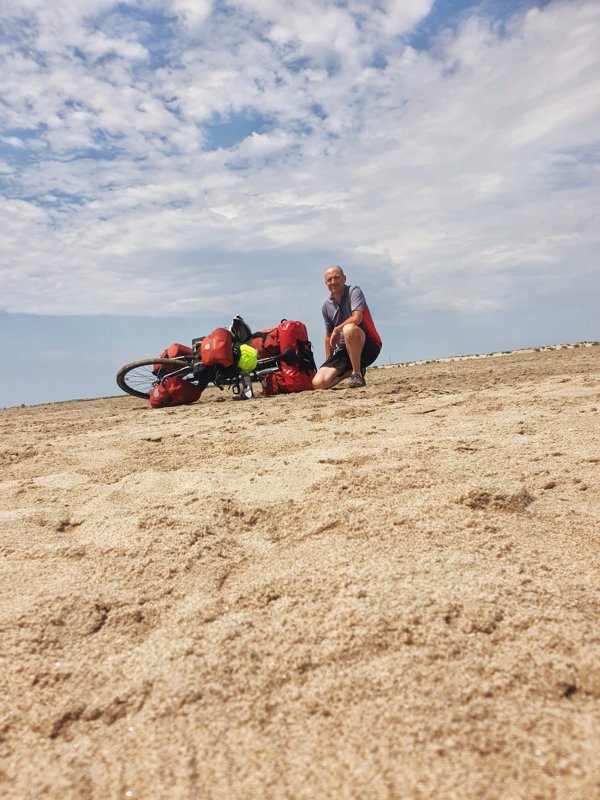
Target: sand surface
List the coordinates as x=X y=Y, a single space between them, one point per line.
x=381 y=593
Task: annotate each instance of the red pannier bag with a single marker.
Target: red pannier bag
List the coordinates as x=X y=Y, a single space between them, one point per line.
x=174 y=391
x=273 y=383
x=173 y=351
x=297 y=377
x=266 y=342
x=217 y=348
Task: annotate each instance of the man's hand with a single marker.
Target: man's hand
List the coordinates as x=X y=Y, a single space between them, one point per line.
x=334 y=338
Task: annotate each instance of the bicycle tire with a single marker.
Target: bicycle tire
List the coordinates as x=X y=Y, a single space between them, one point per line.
x=137 y=378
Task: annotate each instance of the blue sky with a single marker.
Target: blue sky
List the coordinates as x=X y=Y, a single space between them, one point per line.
x=166 y=165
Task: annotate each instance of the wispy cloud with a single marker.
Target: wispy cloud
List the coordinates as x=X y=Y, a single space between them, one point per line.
x=152 y=152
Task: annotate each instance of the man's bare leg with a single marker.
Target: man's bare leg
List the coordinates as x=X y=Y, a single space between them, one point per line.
x=327 y=378
x=354 y=339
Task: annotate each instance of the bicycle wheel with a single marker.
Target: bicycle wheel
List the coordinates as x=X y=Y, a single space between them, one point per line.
x=137 y=378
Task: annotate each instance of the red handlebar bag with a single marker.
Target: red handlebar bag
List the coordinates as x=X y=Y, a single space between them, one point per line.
x=217 y=348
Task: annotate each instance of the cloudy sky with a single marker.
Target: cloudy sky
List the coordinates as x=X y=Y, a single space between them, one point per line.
x=166 y=164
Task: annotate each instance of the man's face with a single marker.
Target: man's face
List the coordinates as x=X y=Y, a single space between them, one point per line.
x=334 y=280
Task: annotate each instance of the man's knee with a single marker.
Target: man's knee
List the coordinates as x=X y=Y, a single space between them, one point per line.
x=325 y=378
x=352 y=331
x=320 y=381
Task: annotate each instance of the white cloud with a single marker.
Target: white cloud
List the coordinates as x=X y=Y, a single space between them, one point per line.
x=402 y=15
x=193 y=12
x=463 y=171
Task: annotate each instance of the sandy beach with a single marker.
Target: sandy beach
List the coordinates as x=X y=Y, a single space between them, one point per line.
x=389 y=593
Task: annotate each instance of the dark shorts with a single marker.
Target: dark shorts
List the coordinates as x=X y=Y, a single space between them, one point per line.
x=340 y=360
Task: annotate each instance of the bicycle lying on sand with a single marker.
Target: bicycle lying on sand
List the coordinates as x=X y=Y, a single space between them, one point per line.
x=140 y=377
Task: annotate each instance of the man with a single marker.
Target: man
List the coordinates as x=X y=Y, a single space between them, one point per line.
x=351 y=339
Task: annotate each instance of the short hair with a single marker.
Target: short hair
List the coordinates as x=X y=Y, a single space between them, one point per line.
x=335 y=266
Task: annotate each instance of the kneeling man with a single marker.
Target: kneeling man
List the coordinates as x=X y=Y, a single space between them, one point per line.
x=351 y=339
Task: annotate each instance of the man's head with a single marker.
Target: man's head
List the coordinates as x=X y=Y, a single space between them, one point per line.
x=335 y=279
